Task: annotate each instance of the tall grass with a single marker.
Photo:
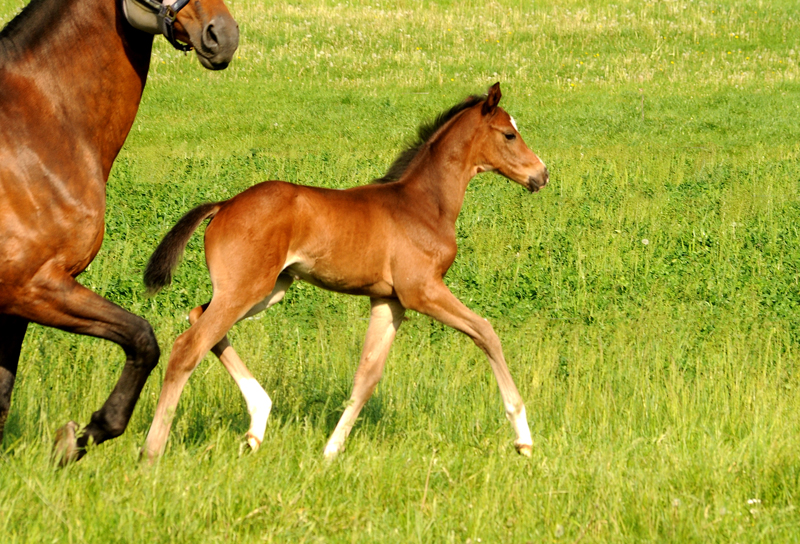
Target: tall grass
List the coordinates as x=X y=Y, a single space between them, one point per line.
x=647 y=299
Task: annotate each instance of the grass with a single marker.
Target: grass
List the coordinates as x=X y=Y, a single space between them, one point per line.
x=647 y=299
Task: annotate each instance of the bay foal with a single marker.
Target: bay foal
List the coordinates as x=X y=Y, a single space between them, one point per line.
x=392 y=241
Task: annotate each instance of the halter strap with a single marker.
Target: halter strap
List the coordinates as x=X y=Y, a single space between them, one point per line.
x=156 y=18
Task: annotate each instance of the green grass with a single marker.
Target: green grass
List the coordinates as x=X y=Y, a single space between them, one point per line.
x=648 y=299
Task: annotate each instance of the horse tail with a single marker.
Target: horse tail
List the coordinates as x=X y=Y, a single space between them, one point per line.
x=166 y=257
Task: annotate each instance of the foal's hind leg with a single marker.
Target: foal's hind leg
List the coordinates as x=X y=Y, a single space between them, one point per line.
x=258 y=402
x=12 y=332
x=385 y=318
x=187 y=351
x=436 y=300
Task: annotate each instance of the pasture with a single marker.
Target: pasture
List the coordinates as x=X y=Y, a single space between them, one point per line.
x=648 y=299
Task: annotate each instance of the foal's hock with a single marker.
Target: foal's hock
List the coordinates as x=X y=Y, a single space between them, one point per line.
x=392 y=241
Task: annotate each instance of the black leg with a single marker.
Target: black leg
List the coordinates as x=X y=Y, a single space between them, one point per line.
x=65 y=304
x=12 y=331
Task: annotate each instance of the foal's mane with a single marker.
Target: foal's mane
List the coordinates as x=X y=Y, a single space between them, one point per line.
x=424 y=133
x=26 y=27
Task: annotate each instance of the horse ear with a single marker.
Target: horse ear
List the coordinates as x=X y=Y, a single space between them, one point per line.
x=492 y=99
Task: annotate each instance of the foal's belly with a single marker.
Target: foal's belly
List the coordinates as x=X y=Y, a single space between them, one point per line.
x=351 y=282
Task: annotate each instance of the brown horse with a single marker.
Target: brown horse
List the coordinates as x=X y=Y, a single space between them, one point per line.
x=72 y=74
x=392 y=241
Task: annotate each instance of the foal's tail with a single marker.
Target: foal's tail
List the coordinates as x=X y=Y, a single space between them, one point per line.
x=165 y=258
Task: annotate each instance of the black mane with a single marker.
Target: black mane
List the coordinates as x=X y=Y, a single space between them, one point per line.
x=424 y=133
x=26 y=27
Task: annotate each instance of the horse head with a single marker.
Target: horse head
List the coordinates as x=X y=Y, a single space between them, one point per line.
x=207 y=26
x=502 y=148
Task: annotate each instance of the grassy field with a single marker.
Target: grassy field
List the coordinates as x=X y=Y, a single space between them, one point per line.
x=648 y=299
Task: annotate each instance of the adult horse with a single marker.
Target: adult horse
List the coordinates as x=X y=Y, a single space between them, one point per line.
x=392 y=241
x=72 y=74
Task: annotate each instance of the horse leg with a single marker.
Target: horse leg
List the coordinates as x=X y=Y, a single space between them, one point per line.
x=61 y=302
x=439 y=303
x=12 y=331
x=385 y=318
x=211 y=326
x=258 y=402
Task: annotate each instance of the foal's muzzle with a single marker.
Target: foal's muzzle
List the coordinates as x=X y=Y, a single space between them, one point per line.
x=538 y=180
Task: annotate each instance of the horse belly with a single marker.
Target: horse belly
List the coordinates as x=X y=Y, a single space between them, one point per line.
x=349 y=280
x=45 y=229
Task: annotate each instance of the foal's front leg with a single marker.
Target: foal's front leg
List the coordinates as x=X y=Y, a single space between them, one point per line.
x=438 y=302
x=384 y=320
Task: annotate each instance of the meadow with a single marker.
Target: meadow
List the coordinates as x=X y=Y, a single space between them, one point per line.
x=648 y=299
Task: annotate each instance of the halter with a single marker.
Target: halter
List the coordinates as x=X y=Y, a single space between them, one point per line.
x=155 y=17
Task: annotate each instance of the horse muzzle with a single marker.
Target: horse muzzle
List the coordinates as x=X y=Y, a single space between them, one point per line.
x=218 y=41
x=538 y=180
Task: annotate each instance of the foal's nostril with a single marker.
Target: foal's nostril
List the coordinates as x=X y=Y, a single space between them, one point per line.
x=538 y=180
x=210 y=40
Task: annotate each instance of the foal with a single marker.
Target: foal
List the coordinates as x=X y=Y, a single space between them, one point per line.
x=392 y=241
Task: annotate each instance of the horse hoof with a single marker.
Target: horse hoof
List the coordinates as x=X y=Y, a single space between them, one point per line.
x=147 y=456
x=524 y=449
x=65 y=446
x=331 y=452
x=253 y=442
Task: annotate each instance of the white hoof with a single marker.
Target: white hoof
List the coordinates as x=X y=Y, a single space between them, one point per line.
x=524 y=449
x=331 y=451
x=253 y=441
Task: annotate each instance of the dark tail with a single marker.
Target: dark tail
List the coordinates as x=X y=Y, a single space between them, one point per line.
x=167 y=255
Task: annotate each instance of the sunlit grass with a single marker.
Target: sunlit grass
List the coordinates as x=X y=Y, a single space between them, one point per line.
x=647 y=299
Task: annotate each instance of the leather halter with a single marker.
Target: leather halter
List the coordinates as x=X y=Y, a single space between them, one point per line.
x=155 y=17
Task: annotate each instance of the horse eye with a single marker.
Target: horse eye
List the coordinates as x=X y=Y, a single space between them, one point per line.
x=510 y=136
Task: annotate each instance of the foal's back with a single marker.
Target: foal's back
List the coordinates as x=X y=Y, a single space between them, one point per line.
x=343 y=240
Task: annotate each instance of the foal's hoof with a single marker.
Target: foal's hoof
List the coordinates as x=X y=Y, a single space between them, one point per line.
x=146 y=456
x=332 y=451
x=253 y=442
x=65 y=446
x=524 y=449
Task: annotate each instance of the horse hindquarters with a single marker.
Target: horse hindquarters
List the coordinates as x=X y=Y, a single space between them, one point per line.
x=245 y=281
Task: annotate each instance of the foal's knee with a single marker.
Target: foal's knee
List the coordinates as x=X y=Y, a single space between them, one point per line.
x=485 y=337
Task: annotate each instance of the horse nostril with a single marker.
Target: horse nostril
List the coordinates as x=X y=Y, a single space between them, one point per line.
x=210 y=40
x=218 y=42
x=538 y=180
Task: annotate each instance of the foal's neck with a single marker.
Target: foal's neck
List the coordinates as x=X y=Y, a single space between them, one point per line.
x=446 y=167
x=78 y=68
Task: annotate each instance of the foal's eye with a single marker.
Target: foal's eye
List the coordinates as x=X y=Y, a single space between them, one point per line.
x=511 y=136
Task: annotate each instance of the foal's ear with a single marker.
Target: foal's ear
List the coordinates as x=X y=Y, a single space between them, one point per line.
x=492 y=99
